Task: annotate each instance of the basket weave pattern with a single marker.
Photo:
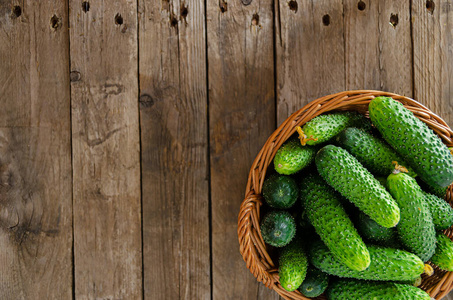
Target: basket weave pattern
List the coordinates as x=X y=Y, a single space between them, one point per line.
x=252 y=246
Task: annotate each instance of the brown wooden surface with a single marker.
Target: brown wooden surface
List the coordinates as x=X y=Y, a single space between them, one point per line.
x=127 y=128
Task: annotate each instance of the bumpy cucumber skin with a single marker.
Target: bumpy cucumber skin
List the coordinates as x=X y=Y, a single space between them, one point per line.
x=375 y=154
x=280 y=191
x=413 y=140
x=386 y=264
x=278 y=228
x=332 y=223
x=443 y=257
x=293 y=157
x=325 y=127
x=416 y=228
x=373 y=232
x=345 y=174
x=293 y=265
x=441 y=211
x=315 y=283
x=348 y=289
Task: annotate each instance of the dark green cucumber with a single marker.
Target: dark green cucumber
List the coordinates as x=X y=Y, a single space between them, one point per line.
x=345 y=174
x=413 y=140
x=382 y=181
x=280 y=191
x=441 y=211
x=293 y=265
x=386 y=264
x=348 y=289
x=332 y=224
x=443 y=257
x=315 y=283
x=324 y=127
x=440 y=192
x=293 y=157
x=416 y=228
x=278 y=228
x=374 y=154
x=373 y=232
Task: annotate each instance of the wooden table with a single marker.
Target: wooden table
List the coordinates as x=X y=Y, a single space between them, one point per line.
x=127 y=128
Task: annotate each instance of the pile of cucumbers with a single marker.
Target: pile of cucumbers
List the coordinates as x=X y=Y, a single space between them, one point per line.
x=366 y=214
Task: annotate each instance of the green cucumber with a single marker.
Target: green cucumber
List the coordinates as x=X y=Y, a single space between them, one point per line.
x=441 y=211
x=413 y=140
x=332 y=224
x=443 y=257
x=375 y=154
x=373 y=232
x=280 y=191
x=345 y=174
x=293 y=265
x=315 y=283
x=416 y=228
x=324 y=127
x=293 y=157
x=278 y=228
x=386 y=264
x=347 y=289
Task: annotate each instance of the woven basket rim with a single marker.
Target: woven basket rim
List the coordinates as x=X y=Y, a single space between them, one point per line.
x=251 y=244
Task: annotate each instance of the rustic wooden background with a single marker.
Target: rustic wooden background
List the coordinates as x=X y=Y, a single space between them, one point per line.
x=127 y=128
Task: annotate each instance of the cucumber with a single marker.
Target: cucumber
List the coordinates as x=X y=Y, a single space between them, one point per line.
x=315 y=283
x=373 y=232
x=332 y=224
x=440 y=192
x=416 y=228
x=375 y=154
x=278 y=228
x=441 y=211
x=386 y=264
x=347 y=289
x=293 y=265
x=324 y=127
x=280 y=191
x=293 y=157
x=345 y=174
x=413 y=140
x=417 y=281
x=443 y=257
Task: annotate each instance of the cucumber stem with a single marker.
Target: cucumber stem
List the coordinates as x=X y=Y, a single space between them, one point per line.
x=303 y=138
x=399 y=168
x=429 y=270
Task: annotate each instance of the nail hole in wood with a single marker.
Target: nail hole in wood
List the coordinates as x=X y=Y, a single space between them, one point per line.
x=361 y=5
x=55 y=22
x=118 y=19
x=293 y=5
x=85 y=6
x=173 y=21
x=146 y=100
x=430 y=6
x=74 y=76
x=256 y=20
x=223 y=7
x=184 y=11
x=326 y=20
x=16 y=11
x=394 y=20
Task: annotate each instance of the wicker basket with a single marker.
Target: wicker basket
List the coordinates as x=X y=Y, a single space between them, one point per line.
x=252 y=247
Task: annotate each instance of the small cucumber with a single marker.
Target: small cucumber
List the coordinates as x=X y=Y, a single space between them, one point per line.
x=280 y=191
x=441 y=211
x=443 y=257
x=373 y=232
x=293 y=265
x=416 y=228
x=347 y=289
x=278 y=228
x=293 y=157
x=315 y=283
x=346 y=174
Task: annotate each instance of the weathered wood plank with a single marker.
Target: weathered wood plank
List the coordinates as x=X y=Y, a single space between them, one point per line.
x=241 y=117
x=106 y=151
x=173 y=120
x=35 y=152
x=310 y=52
x=378 y=53
x=433 y=61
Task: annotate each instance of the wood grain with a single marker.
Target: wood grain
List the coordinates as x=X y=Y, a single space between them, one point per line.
x=241 y=117
x=309 y=52
x=378 y=53
x=175 y=176
x=433 y=59
x=106 y=158
x=35 y=152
